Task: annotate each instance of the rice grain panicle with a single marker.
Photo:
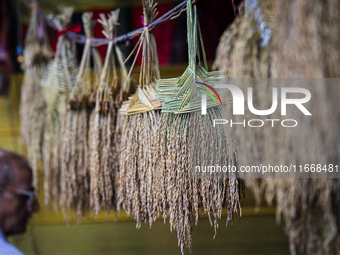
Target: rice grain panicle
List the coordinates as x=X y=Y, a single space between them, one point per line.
x=188 y=139
x=75 y=149
x=57 y=85
x=303 y=44
x=103 y=124
x=37 y=54
x=139 y=146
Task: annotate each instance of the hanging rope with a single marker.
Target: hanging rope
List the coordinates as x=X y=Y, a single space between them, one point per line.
x=81 y=39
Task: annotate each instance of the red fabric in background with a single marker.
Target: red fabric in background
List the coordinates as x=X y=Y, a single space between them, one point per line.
x=98 y=30
x=77 y=28
x=163 y=33
x=214 y=17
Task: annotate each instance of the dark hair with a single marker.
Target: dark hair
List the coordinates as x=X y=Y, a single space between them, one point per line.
x=6 y=166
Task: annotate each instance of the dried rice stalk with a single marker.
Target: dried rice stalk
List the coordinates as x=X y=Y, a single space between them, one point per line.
x=243 y=52
x=145 y=98
x=37 y=47
x=126 y=87
x=36 y=56
x=140 y=130
x=185 y=137
x=137 y=166
x=57 y=85
x=74 y=147
x=178 y=194
x=307 y=45
x=102 y=126
x=304 y=43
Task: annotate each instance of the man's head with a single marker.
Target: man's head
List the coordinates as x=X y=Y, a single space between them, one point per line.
x=16 y=198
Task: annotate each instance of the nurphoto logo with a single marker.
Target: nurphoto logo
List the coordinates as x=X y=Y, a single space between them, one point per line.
x=238 y=104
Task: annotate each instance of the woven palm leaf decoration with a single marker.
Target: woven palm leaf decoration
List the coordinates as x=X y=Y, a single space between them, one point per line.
x=185 y=138
x=178 y=94
x=145 y=98
x=102 y=125
x=140 y=130
x=37 y=54
x=57 y=84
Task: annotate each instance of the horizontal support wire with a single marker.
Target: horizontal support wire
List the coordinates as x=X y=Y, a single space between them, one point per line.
x=81 y=39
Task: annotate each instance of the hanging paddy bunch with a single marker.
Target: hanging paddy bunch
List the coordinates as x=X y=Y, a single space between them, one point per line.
x=80 y=117
x=103 y=123
x=36 y=57
x=140 y=131
x=303 y=37
x=310 y=207
x=186 y=139
x=245 y=53
x=155 y=177
x=57 y=85
x=75 y=152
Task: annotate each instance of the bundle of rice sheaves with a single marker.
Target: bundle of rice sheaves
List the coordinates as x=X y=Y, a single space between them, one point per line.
x=125 y=90
x=244 y=56
x=188 y=139
x=244 y=53
x=303 y=44
x=140 y=130
x=102 y=125
x=306 y=39
x=37 y=54
x=57 y=84
x=75 y=164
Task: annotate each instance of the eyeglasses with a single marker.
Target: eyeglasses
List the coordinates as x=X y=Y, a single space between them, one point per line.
x=28 y=194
